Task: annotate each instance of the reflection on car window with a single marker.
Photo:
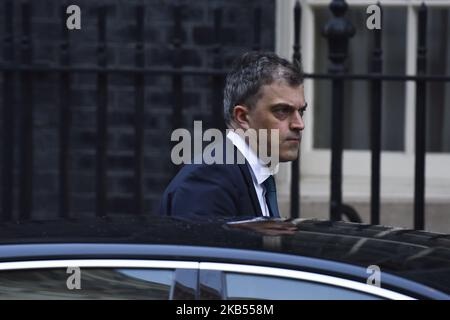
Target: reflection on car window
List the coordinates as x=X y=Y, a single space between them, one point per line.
x=96 y=283
x=156 y=276
x=245 y=286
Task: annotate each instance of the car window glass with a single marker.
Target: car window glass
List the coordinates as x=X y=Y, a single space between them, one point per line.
x=246 y=286
x=94 y=283
x=157 y=276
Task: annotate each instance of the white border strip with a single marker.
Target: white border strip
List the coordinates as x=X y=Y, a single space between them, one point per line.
x=100 y=263
x=268 y=271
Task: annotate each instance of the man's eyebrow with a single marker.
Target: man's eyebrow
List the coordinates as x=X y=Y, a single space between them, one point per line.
x=284 y=105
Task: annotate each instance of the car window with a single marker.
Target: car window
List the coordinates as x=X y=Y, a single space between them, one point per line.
x=94 y=283
x=247 y=286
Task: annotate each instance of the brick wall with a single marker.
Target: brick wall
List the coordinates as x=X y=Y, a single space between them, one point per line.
x=198 y=43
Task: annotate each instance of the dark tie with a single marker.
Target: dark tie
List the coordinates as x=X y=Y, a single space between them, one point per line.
x=271 y=196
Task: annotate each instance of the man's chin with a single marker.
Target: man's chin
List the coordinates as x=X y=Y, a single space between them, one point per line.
x=289 y=156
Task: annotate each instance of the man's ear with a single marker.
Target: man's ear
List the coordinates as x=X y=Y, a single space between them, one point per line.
x=240 y=116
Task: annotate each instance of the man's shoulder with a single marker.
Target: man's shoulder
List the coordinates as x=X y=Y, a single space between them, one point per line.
x=225 y=166
x=207 y=173
x=201 y=169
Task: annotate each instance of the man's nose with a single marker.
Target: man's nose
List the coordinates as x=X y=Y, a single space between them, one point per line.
x=297 y=122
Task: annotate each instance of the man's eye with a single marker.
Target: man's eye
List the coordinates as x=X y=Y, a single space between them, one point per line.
x=282 y=111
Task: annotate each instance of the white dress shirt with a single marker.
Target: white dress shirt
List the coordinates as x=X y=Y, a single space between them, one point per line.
x=258 y=171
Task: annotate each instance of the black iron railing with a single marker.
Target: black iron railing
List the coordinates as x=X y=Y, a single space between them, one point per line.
x=338 y=39
x=338 y=32
x=27 y=71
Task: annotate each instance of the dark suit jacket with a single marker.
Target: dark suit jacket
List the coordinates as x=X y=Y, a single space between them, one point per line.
x=216 y=190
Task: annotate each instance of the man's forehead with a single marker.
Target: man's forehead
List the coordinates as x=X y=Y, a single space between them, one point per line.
x=283 y=92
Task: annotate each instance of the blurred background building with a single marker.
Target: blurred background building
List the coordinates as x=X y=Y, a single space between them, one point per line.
x=400 y=42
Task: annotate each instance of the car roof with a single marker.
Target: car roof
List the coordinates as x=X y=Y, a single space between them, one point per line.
x=415 y=255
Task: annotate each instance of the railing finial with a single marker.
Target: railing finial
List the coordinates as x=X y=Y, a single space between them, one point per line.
x=338 y=31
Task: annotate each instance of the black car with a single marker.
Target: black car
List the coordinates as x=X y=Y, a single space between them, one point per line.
x=166 y=258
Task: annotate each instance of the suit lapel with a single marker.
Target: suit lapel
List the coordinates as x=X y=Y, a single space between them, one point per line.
x=245 y=171
x=250 y=187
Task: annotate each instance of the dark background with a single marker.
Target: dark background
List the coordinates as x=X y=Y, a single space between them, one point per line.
x=198 y=48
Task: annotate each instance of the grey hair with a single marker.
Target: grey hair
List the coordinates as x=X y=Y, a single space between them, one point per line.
x=250 y=72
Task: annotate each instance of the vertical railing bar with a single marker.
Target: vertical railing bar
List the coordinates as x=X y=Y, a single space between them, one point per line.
x=338 y=31
x=375 y=134
x=257 y=29
x=336 y=151
x=26 y=154
x=177 y=80
x=421 y=94
x=295 y=167
x=102 y=113
x=139 y=113
x=64 y=124
x=8 y=118
x=218 y=80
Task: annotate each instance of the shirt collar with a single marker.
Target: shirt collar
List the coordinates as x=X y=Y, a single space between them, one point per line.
x=260 y=171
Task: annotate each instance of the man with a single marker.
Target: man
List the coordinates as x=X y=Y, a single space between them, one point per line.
x=262 y=92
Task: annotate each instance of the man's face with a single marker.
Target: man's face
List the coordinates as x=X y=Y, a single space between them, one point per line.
x=280 y=106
